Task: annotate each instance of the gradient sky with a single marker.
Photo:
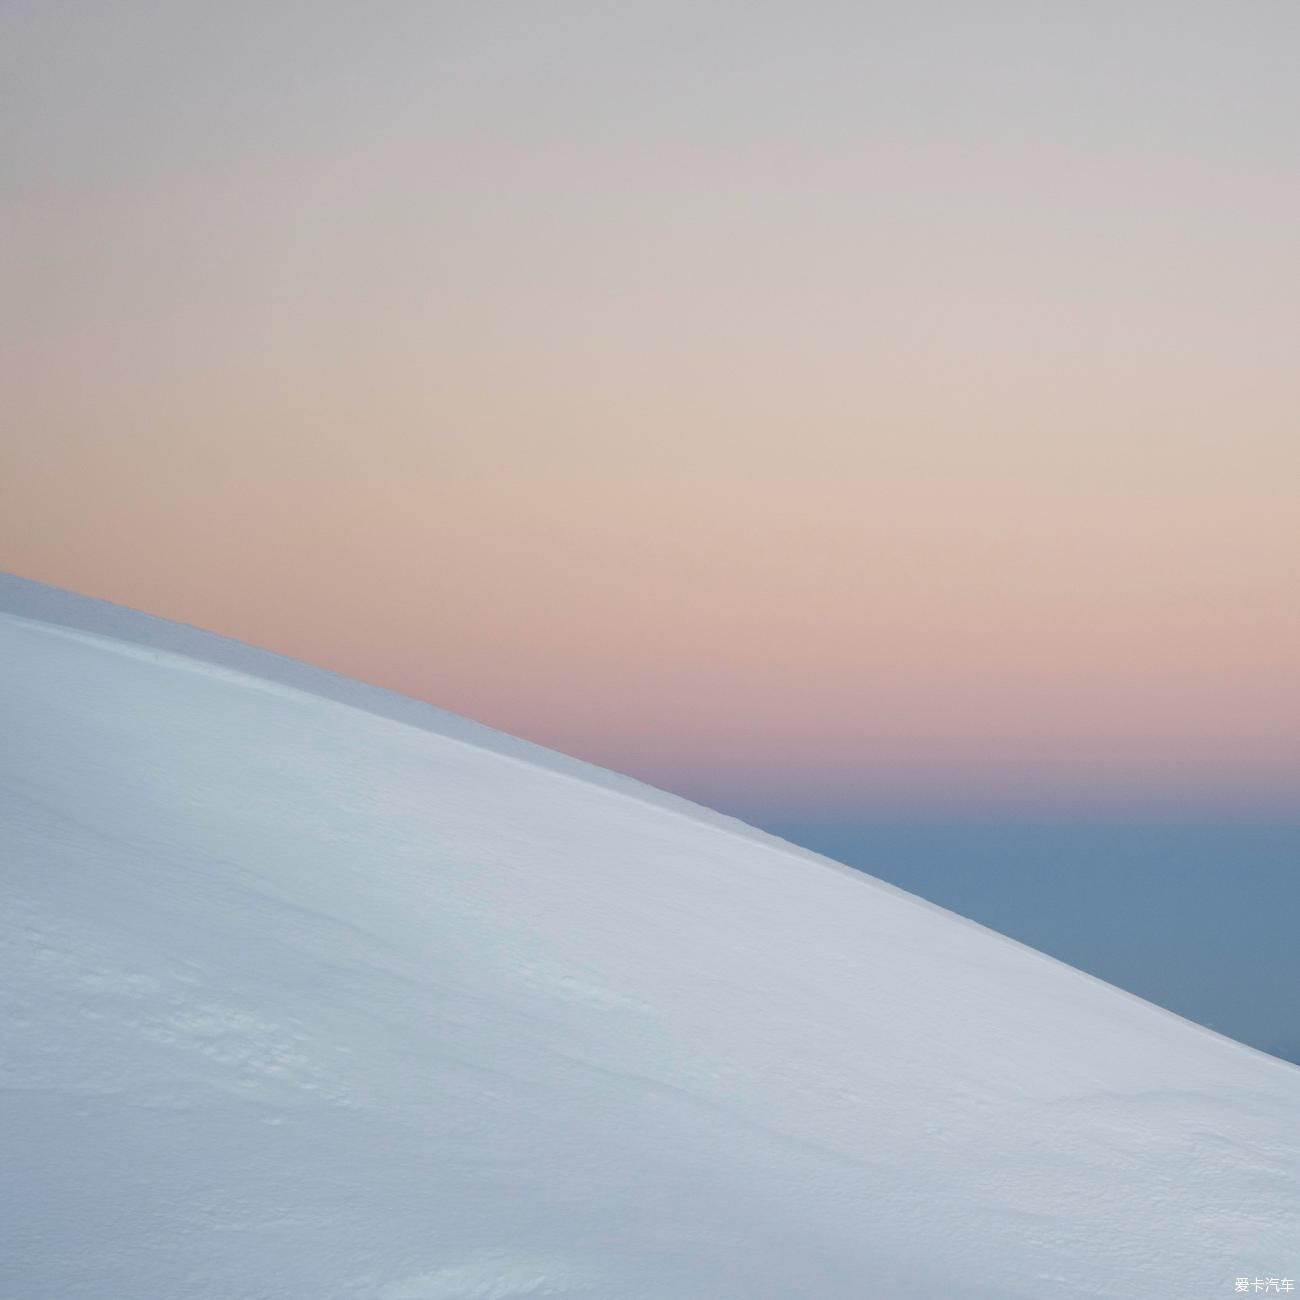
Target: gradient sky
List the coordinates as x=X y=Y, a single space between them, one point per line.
x=814 y=409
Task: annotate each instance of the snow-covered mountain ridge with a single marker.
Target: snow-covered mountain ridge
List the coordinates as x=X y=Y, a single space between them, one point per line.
x=312 y=991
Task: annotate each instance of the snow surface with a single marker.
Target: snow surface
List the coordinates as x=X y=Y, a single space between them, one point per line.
x=311 y=991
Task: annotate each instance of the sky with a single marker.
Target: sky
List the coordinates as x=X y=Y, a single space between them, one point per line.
x=838 y=413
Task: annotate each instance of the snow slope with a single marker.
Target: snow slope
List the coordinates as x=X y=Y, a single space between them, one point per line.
x=310 y=991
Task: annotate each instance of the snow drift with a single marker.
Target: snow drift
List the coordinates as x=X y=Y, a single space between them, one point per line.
x=312 y=991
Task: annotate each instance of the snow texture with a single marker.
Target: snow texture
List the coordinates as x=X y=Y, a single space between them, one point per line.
x=308 y=991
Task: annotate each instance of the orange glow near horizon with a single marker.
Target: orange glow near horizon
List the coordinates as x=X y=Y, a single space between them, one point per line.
x=814 y=641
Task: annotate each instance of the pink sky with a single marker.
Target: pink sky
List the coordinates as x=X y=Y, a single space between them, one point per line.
x=890 y=404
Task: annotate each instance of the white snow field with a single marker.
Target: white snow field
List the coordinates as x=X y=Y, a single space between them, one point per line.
x=312 y=991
